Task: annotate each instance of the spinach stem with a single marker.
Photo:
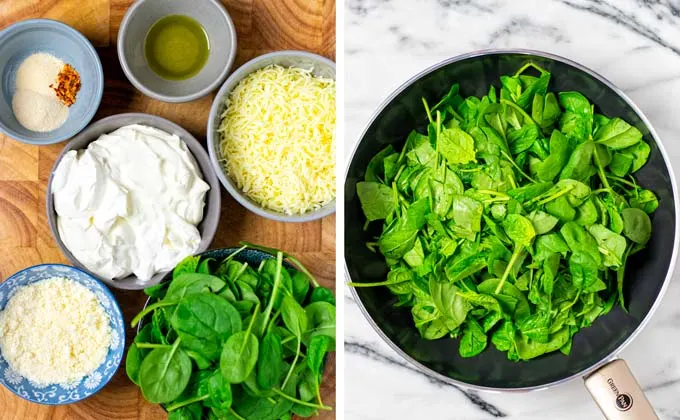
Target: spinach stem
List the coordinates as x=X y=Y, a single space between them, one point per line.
x=305 y=403
x=235 y=414
x=273 y=320
x=600 y=172
x=520 y=110
x=285 y=340
x=438 y=126
x=513 y=259
x=622 y=180
x=401 y=169
x=250 y=327
x=496 y=193
x=512 y=162
x=495 y=200
x=275 y=290
x=427 y=110
x=235 y=253
x=645 y=202
x=173 y=350
x=151 y=308
x=294 y=261
x=454 y=113
x=620 y=274
x=401 y=157
x=181 y=404
x=527 y=65
x=292 y=366
x=380 y=283
x=318 y=393
x=578 y=295
x=477 y=169
x=152 y=346
x=552 y=196
x=240 y=271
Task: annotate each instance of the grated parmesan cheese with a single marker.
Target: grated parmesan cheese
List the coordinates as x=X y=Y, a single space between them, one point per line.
x=278 y=139
x=54 y=332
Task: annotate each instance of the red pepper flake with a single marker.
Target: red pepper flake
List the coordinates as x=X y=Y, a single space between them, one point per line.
x=68 y=85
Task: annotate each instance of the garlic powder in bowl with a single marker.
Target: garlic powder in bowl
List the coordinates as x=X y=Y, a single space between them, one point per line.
x=54 y=331
x=35 y=103
x=130 y=202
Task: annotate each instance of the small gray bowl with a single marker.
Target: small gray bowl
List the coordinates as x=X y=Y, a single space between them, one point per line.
x=221 y=37
x=321 y=67
x=211 y=212
x=19 y=41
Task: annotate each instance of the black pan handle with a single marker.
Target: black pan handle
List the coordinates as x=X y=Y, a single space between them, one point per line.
x=618 y=394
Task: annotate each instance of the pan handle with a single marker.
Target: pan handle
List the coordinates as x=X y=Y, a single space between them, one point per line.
x=618 y=394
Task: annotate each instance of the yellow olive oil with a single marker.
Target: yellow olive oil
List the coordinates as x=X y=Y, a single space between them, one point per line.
x=176 y=47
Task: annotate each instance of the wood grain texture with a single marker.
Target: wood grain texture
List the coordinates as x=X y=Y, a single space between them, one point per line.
x=262 y=26
x=91 y=17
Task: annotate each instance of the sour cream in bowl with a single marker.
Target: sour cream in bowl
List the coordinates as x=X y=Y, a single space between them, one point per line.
x=132 y=200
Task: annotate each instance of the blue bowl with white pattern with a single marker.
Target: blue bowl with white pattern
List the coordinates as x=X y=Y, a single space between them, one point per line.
x=84 y=387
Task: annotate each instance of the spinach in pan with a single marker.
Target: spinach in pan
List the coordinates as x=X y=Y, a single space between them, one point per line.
x=511 y=219
x=224 y=340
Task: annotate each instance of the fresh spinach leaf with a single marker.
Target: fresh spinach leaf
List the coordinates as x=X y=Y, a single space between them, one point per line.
x=636 y=225
x=164 y=374
x=204 y=322
x=510 y=217
x=474 y=340
x=239 y=356
x=270 y=361
x=377 y=200
x=618 y=134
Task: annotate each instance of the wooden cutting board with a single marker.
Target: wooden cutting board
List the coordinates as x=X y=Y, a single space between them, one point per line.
x=25 y=239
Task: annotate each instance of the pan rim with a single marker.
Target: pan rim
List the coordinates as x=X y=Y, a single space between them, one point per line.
x=676 y=237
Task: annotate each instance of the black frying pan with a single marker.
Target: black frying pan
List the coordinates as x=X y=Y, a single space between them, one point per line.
x=594 y=348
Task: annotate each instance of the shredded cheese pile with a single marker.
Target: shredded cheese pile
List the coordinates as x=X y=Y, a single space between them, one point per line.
x=278 y=139
x=54 y=332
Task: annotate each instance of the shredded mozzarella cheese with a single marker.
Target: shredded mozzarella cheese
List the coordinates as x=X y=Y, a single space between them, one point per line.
x=278 y=139
x=54 y=332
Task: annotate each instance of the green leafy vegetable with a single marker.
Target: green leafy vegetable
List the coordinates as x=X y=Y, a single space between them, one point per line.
x=164 y=374
x=270 y=362
x=204 y=322
x=223 y=340
x=378 y=198
x=509 y=219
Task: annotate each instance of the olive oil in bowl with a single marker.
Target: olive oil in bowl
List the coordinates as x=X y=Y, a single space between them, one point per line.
x=176 y=47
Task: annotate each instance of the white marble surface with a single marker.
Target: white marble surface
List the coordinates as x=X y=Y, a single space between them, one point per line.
x=634 y=43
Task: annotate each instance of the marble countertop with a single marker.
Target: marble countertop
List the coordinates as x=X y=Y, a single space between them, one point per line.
x=636 y=45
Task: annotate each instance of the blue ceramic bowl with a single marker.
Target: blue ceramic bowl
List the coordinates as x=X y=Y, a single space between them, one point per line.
x=27 y=37
x=85 y=387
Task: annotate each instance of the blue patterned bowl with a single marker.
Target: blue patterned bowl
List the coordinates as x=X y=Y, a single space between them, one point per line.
x=85 y=387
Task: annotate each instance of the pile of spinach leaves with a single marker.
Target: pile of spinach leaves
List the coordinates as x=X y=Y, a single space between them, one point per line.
x=224 y=340
x=511 y=219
